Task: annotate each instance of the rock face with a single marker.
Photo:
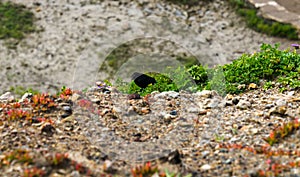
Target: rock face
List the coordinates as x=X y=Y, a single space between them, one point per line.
x=77 y=36
x=280 y=10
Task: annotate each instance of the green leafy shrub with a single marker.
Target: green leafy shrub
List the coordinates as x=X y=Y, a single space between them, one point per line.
x=270 y=64
x=262 y=25
x=15 y=21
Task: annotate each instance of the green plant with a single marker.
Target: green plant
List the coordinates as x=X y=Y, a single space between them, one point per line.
x=20 y=90
x=268 y=85
x=15 y=21
x=269 y=64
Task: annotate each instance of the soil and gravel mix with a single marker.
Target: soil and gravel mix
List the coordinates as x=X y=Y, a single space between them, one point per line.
x=105 y=132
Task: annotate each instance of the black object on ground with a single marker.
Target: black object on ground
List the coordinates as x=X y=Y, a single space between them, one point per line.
x=142 y=80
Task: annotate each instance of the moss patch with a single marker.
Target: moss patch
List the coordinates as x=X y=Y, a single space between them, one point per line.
x=15 y=21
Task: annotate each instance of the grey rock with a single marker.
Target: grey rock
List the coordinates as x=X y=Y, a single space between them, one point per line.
x=281 y=102
x=7 y=97
x=243 y=105
x=207 y=93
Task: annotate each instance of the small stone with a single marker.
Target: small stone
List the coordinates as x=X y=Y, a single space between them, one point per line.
x=7 y=97
x=235 y=101
x=254 y=131
x=229 y=97
x=202 y=112
x=252 y=86
x=145 y=110
x=25 y=96
x=48 y=128
x=281 y=102
x=291 y=93
x=65 y=115
x=173 y=112
x=207 y=93
x=205 y=153
x=241 y=86
x=67 y=109
x=96 y=100
x=193 y=110
x=243 y=105
x=205 y=167
x=75 y=173
x=278 y=110
x=269 y=106
x=210 y=103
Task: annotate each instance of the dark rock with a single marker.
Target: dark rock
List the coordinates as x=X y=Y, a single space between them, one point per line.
x=142 y=80
x=235 y=101
x=48 y=129
x=173 y=112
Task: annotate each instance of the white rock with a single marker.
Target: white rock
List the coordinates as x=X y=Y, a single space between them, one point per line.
x=207 y=93
x=205 y=167
x=7 y=97
x=243 y=104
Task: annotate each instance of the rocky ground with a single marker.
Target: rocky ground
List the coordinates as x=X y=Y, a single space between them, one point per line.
x=102 y=132
x=76 y=37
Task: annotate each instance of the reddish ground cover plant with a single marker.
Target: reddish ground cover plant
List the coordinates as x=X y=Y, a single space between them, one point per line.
x=33 y=172
x=282 y=132
x=146 y=170
x=274 y=168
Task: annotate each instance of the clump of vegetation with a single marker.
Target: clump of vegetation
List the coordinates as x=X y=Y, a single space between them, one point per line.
x=270 y=65
x=172 y=79
x=15 y=21
x=20 y=90
x=262 y=25
x=283 y=131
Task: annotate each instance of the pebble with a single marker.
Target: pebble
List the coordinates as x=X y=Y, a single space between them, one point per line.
x=206 y=94
x=252 y=86
x=205 y=167
x=243 y=105
x=7 y=97
x=173 y=112
x=277 y=110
